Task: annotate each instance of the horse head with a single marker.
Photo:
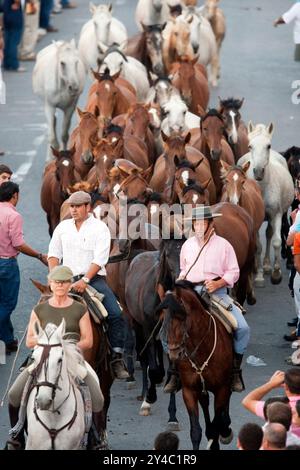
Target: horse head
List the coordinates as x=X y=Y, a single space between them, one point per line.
x=211 y=8
x=65 y=168
x=154 y=42
x=234 y=178
x=175 y=112
x=292 y=156
x=212 y=130
x=180 y=38
x=185 y=74
x=260 y=147
x=230 y=110
x=88 y=132
x=162 y=90
x=70 y=67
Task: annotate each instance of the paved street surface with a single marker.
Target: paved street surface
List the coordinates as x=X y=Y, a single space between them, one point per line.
x=257 y=63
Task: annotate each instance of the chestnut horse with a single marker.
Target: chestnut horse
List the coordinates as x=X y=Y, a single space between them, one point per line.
x=202 y=348
x=99 y=358
x=235 y=129
x=189 y=79
x=58 y=176
x=177 y=44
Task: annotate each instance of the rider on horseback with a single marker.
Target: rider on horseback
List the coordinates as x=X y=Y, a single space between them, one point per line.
x=59 y=306
x=209 y=261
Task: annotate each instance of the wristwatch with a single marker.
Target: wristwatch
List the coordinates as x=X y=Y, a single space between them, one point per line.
x=85 y=279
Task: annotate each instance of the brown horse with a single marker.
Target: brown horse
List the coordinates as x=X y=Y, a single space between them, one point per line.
x=192 y=84
x=204 y=354
x=164 y=169
x=147 y=48
x=58 y=176
x=213 y=145
x=236 y=131
x=185 y=176
x=108 y=96
x=99 y=359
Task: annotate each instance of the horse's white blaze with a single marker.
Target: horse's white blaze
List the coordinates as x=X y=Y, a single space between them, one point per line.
x=235 y=177
x=114 y=139
x=234 y=135
x=185 y=177
x=234 y=198
x=104 y=158
x=195 y=198
x=65 y=162
x=107 y=86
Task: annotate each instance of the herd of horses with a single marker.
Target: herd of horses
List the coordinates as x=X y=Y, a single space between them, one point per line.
x=146 y=135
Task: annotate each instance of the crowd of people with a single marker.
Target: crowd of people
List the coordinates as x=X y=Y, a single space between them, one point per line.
x=23 y=23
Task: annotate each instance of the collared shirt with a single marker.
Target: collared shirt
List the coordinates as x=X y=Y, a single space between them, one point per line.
x=11 y=229
x=291 y=15
x=218 y=259
x=79 y=248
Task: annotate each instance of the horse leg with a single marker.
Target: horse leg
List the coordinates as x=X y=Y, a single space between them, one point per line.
x=190 y=398
x=129 y=353
x=221 y=422
x=51 y=121
x=267 y=263
x=160 y=358
x=276 y=276
x=68 y=113
x=259 y=278
x=204 y=402
x=214 y=70
x=251 y=299
x=173 y=424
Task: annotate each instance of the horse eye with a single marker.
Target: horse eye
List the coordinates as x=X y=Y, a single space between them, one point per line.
x=269 y=147
x=250 y=147
x=205 y=129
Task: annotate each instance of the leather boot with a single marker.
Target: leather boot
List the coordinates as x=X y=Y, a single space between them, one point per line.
x=173 y=383
x=237 y=384
x=96 y=425
x=118 y=366
x=18 y=442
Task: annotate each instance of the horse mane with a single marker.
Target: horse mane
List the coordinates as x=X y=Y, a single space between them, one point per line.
x=155 y=197
x=291 y=151
x=192 y=185
x=233 y=103
x=114 y=48
x=259 y=129
x=185 y=164
x=162 y=79
x=113 y=128
x=187 y=285
x=212 y=113
x=224 y=172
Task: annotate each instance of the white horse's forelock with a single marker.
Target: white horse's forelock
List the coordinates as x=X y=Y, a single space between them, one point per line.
x=259 y=129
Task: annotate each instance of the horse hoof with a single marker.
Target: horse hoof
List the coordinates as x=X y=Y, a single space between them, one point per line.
x=173 y=426
x=251 y=300
x=226 y=440
x=259 y=282
x=276 y=277
x=209 y=444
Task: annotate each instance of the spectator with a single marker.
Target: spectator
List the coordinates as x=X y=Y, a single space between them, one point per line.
x=166 y=441
x=281 y=413
x=270 y=400
x=290 y=381
x=30 y=34
x=274 y=437
x=45 y=11
x=293 y=14
x=11 y=244
x=250 y=437
x=13 y=27
x=5 y=173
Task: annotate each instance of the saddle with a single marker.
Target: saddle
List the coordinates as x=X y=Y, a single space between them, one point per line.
x=93 y=299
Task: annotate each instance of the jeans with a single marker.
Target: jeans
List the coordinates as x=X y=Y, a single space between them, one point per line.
x=12 y=38
x=116 y=324
x=297 y=300
x=46 y=8
x=9 y=291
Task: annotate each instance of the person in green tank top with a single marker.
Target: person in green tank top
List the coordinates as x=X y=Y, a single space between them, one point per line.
x=59 y=306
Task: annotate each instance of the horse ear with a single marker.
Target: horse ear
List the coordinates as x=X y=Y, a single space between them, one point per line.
x=116 y=76
x=143 y=26
x=225 y=165
x=164 y=137
x=241 y=102
x=170 y=77
x=41 y=287
x=55 y=152
x=206 y=183
x=245 y=166
x=93 y=8
x=201 y=111
x=198 y=163
x=250 y=127
x=146 y=174
x=122 y=47
x=153 y=76
x=189 y=19
x=73 y=150
x=270 y=129
x=80 y=113
x=187 y=138
x=110 y=7
x=96 y=111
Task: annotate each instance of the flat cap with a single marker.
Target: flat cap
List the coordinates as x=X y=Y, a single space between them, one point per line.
x=60 y=273
x=78 y=198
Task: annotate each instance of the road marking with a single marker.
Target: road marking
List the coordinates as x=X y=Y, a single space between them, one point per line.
x=22 y=171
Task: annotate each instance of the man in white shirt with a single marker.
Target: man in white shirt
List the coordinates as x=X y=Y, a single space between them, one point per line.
x=293 y=14
x=83 y=243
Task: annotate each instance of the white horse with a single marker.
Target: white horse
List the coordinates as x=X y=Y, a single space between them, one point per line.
x=55 y=402
x=58 y=78
x=270 y=170
x=130 y=68
x=103 y=28
x=151 y=12
x=203 y=42
x=178 y=117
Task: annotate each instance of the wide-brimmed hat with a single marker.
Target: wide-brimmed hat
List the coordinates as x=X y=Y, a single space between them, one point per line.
x=78 y=198
x=202 y=213
x=60 y=273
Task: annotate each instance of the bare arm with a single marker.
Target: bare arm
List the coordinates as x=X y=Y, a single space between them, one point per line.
x=31 y=339
x=250 y=401
x=86 y=333
x=290 y=239
x=27 y=250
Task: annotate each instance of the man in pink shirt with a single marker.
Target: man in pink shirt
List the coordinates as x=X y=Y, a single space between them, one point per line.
x=11 y=244
x=5 y=173
x=210 y=261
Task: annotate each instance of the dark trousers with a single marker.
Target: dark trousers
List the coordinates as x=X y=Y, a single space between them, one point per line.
x=116 y=324
x=45 y=11
x=9 y=291
x=12 y=38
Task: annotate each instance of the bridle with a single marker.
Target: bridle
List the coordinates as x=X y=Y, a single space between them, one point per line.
x=44 y=362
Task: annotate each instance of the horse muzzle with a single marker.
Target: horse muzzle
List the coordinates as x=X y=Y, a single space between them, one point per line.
x=87 y=157
x=43 y=404
x=215 y=154
x=259 y=173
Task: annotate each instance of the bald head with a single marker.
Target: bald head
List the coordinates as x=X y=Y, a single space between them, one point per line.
x=274 y=437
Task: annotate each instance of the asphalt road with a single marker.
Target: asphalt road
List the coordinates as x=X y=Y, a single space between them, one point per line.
x=257 y=63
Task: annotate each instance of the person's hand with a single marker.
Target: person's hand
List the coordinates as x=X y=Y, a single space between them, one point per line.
x=275 y=24
x=277 y=379
x=79 y=286
x=211 y=286
x=16 y=6
x=44 y=259
x=293 y=214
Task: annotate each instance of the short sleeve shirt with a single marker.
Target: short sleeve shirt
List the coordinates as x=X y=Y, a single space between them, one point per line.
x=296 y=247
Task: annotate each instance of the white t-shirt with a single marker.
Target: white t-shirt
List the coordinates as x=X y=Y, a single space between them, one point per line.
x=291 y=15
